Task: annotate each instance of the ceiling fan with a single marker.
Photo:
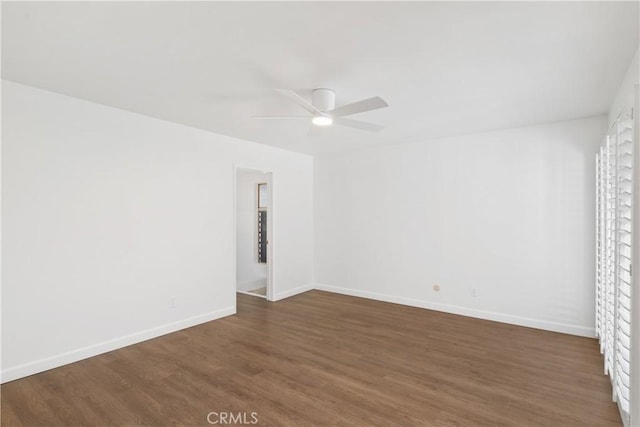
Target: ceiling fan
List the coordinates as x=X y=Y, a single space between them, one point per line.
x=324 y=112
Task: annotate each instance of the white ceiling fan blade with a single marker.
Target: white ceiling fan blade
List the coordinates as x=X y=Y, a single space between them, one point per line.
x=292 y=95
x=358 y=124
x=279 y=117
x=359 y=107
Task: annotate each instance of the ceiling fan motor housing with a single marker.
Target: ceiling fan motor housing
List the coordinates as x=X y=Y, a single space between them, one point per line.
x=323 y=99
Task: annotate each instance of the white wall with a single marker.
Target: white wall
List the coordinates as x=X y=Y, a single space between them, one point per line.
x=250 y=274
x=509 y=213
x=624 y=99
x=107 y=215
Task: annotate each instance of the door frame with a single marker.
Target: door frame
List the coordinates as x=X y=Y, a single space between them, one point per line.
x=270 y=293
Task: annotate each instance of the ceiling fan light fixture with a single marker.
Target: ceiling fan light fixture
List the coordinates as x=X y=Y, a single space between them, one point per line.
x=322 y=121
x=323 y=109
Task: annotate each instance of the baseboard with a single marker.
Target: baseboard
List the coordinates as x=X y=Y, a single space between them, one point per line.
x=41 y=365
x=464 y=311
x=295 y=291
x=252 y=284
x=251 y=294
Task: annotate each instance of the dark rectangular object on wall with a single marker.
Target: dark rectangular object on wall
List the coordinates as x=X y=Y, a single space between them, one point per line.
x=262 y=236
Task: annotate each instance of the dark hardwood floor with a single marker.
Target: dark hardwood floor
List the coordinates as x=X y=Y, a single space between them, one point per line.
x=326 y=359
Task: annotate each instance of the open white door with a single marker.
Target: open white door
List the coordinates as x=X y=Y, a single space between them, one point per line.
x=253 y=231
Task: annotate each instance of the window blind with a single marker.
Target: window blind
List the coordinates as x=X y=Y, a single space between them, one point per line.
x=614 y=267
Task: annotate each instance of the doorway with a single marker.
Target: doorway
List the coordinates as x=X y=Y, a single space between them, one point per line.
x=253 y=232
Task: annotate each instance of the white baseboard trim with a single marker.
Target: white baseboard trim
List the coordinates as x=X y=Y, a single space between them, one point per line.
x=295 y=291
x=252 y=294
x=582 y=331
x=251 y=285
x=41 y=365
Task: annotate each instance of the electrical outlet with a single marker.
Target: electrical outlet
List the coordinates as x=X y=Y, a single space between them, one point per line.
x=474 y=292
x=172 y=303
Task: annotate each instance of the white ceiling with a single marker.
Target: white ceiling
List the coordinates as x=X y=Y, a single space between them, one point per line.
x=444 y=68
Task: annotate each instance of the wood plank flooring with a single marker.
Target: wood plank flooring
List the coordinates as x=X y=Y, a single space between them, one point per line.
x=326 y=359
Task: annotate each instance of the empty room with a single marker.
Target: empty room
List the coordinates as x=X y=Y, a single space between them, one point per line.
x=320 y=213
